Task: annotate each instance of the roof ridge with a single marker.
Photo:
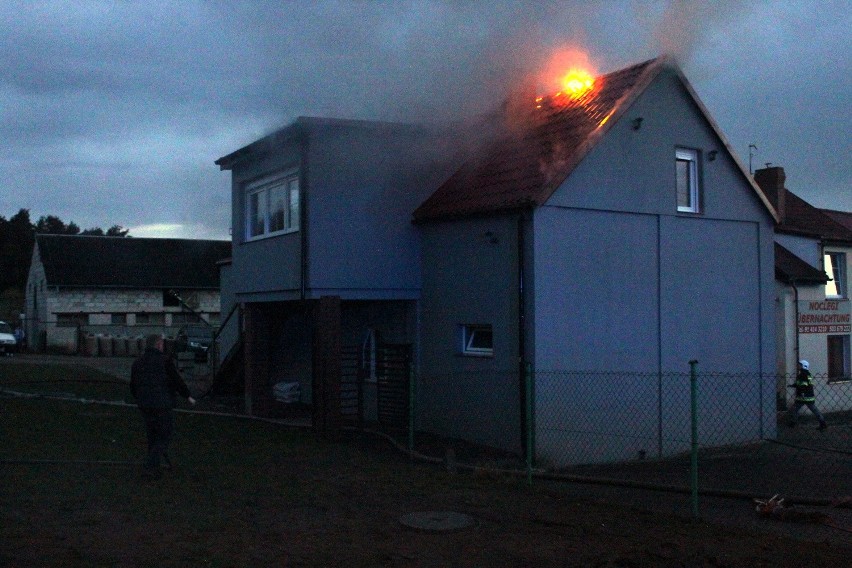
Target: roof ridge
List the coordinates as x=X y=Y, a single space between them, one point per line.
x=835 y=229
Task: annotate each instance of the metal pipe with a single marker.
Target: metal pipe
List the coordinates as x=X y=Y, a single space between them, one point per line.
x=693 y=411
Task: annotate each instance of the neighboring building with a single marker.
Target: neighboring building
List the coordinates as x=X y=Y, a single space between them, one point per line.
x=614 y=233
x=814 y=321
x=119 y=286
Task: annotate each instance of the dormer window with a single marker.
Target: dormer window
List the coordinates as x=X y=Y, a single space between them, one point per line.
x=687 y=180
x=272 y=206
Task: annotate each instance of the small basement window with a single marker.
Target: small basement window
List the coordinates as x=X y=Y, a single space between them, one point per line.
x=477 y=340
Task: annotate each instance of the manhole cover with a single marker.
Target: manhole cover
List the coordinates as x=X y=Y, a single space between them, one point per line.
x=437 y=521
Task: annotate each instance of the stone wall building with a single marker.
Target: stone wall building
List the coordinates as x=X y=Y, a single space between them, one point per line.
x=119 y=287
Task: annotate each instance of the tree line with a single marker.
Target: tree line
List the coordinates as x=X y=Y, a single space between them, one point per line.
x=17 y=236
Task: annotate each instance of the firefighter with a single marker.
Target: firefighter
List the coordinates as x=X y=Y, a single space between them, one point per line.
x=804 y=386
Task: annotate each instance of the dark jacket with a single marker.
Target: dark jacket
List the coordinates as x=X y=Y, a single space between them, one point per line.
x=154 y=381
x=804 y=386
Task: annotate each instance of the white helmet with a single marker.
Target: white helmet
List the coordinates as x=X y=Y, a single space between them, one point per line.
x=805 y=365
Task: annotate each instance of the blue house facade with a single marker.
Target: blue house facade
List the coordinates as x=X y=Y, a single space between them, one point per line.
x=616 y=236
x=322 y=208
x=610 y=233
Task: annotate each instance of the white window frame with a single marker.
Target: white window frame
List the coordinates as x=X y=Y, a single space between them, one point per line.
x=261 y=192
x=470 y=333
x=690 y=158
x=845 y=357
x=838 y=286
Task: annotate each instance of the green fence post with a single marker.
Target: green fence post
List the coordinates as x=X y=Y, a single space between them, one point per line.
x=528 y=380
x=411 y=399
x=693 y=398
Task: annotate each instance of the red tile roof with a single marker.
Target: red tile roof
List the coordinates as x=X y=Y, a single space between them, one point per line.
x=842 y=217
x=802 y=218
x=526 y=165
x=791 y=268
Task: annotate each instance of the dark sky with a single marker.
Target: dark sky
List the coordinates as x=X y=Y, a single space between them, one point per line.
x=113 y=112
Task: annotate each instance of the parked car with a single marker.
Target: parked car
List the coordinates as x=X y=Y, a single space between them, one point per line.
x=8 y=343
x=196 y=339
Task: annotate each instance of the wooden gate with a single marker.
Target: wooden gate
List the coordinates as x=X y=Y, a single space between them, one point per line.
x=351 y=386
x=393 y=378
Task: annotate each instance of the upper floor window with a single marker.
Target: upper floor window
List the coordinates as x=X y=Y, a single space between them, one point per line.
x=272 y=206
x=687 y=180
x=170 y=299
x=835 y=268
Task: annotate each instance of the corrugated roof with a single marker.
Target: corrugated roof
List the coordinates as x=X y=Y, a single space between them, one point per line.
x=791 y=268
x=125 y=262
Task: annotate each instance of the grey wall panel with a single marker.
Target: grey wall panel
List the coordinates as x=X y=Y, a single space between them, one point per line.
x=470 y=277
x=364 y=186
x=268 y=265
x=596 y=290
x=808 y=249
x=711 y=296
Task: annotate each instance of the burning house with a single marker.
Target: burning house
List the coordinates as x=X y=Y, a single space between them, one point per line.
x=606 y=228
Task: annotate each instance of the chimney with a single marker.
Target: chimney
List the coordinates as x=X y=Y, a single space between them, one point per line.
x=771 y=180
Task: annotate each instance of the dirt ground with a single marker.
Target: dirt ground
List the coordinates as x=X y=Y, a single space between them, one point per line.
x=340 y=507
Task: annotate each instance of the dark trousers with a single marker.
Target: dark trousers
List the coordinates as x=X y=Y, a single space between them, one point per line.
x=159 y=425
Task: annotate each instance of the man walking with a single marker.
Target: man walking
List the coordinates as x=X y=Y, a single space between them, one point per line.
x=804 y=386
x=154 y=381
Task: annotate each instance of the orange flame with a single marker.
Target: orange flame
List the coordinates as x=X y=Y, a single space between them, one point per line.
x=571 y=85
x=576 y=82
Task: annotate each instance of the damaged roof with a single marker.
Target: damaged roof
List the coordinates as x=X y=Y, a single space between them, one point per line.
x=128 y=262
x=525 y=166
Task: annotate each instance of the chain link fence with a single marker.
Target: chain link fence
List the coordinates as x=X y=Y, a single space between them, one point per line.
x=718 y=433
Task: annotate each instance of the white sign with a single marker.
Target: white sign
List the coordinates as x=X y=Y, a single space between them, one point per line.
x=825 y=316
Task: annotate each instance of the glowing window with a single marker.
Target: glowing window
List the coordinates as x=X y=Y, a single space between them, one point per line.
x=835 y=268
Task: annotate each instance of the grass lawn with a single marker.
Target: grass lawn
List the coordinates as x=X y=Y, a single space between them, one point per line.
x=253 y=493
